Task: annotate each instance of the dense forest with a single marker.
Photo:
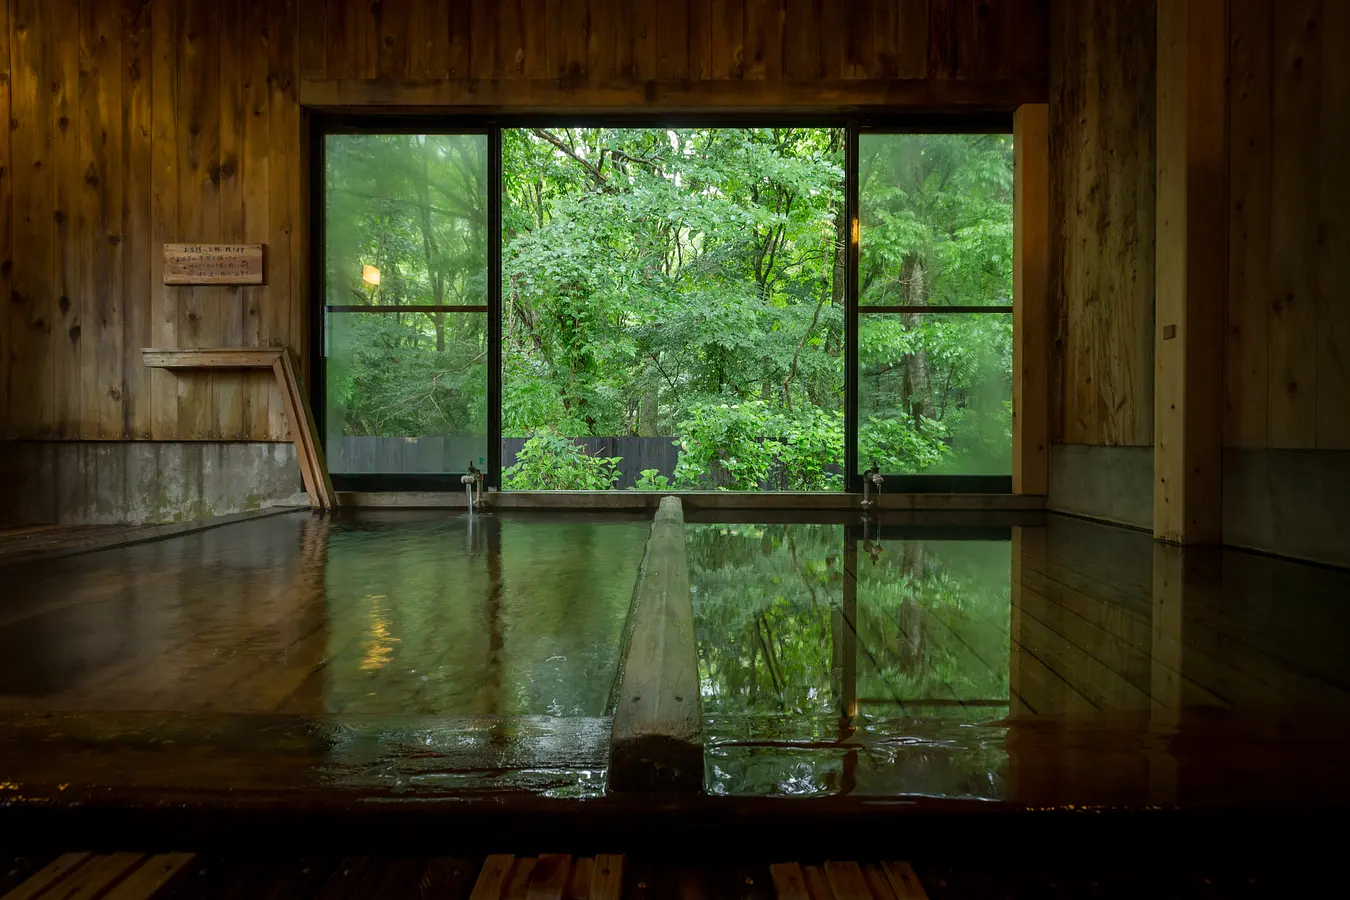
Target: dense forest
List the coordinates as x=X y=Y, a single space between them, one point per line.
x=684 y=285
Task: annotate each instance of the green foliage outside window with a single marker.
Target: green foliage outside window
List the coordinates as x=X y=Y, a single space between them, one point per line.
x=677 y=283
x=551 y=462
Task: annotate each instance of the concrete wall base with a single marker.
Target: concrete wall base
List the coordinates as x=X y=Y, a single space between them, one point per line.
x=142 y=482
x=1111 y=484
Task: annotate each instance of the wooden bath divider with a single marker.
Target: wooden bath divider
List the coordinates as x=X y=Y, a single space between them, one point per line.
x=299 y=416
x=657 y=739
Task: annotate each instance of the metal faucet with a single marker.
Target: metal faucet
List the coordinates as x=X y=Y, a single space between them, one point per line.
x=473 y=487
x=871 y=479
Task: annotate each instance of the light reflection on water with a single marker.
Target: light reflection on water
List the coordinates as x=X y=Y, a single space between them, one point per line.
x=372 y=613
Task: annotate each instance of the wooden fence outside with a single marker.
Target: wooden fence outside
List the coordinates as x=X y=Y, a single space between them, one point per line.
x=423 y=455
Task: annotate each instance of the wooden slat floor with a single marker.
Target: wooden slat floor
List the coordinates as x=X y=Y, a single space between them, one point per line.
x=177 y=876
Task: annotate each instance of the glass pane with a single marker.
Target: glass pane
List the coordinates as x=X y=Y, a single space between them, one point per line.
x=407 y=392
x=673 y=308
x=406 y=226
x=935 y=393
x=935 y=219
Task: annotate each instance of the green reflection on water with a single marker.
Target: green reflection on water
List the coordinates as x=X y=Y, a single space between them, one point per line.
x=776 y=616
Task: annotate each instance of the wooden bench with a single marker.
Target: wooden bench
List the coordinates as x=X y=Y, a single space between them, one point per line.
x=298 y=413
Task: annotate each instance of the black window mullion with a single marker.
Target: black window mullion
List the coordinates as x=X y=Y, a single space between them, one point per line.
x=494 y=460
x=852 y=481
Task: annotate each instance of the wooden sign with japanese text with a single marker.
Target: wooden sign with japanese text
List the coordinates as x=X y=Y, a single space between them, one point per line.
x=213 y=263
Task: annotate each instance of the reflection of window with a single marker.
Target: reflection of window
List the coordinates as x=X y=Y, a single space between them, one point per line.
x=933 y=619
x=934 y=304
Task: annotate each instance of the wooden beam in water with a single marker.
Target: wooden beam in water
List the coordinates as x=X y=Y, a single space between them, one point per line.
x=657 y=739
x=304 y=433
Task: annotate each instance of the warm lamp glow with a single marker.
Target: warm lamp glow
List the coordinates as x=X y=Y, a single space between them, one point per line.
x=370 y=275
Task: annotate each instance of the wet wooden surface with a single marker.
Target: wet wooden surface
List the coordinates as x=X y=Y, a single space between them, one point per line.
x=1140 y=679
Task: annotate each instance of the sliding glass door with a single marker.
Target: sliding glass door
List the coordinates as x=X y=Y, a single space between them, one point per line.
x=406 y=328
x=934 y=351
x=606 y=305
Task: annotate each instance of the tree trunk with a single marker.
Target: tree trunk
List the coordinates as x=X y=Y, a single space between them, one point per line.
x=918 y=378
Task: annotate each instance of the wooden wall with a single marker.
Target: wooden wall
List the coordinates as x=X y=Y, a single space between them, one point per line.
x=1288 y=336
x=775 y=54
x=135 y=122
x=1102 y=128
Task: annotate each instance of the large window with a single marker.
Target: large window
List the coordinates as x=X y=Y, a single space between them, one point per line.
x=406 y=303
x=673 y=306
x=665 y=308
x=935 y=303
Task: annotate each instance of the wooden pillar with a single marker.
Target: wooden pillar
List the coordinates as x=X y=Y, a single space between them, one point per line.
x=1031 y=313
x=1191 y=270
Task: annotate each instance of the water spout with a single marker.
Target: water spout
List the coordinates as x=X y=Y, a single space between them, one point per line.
x=871 y=479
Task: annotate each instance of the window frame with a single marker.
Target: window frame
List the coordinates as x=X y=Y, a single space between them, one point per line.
x=322 y=125
x=895 y=482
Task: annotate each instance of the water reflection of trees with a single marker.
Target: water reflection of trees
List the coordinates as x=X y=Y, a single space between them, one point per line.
x=775 y=613
x=931 y=618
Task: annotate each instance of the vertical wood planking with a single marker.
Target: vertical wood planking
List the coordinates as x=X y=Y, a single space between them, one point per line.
x=255 y=173
x=1031 y=258
x=422 y=57
x=672 y=49
x=314 y=40
x=885 y=39
x=68 y=306
x=30 y=324
x=232 y=400
x=198 y=141
x=1192 y=268
x=1293 y=323
x=859 y=41
x=483 y=22
x=283 y=187
x=136 y=176
x=511 y=28
x=700 y=39
x=801 y=57
x=1333 y=262
x=393 y=20
x=457 y=18
x=7 y=333
x=339 y=52
x=643 y=38
x=1246 y=377
x=164 y=34
x=829 y=31
x=101 y=132
x=1102 y=220
x=534 y=18
x=913 y=39
x=602 y=43
x=576 y=20
x=728 y=37
x=764 y=39
x=941 y=45
x=366 y=30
